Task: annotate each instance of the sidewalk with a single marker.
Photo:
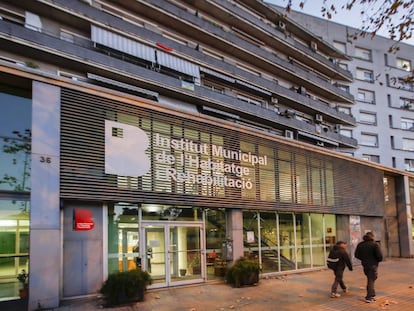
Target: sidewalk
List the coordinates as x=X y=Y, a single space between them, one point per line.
x=305 y=291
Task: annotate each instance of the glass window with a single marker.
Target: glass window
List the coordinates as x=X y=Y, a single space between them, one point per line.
x=405 y=103
x=405 y=84
x=343 y=66
x=365 y=74
x=369 y=140
x=215 y=229
x=371 y=157
x=409 y=165
x=251 y=234
x=407 y=124
x=343 y=109
x=123 y=239
x=14 y=237
x=317 y=241
x=346 y=132
x=214 y=87
x=343 y=87
x=408 y=144
x=254 y=101
x=366 y=96
x=15 y=142
x=404 y=64
x=367 y=117
x=363 y=53
x=269 y=241
x=341 y=46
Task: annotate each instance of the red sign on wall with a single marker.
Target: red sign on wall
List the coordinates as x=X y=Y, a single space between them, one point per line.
x=82 y=219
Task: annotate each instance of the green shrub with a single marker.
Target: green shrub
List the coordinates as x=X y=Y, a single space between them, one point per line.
x=125 y=287
x=243 y=272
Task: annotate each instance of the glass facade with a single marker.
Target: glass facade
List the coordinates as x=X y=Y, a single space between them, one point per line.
x=288 y=241
x=169 y=243
x=15 y=142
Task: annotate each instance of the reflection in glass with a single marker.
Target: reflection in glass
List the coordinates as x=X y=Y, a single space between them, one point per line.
x=15 y=142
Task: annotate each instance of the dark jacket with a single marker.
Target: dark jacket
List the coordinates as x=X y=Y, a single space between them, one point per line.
x=340 y=259
x=369 y=252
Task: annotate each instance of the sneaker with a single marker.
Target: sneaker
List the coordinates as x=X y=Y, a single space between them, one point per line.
x=335 y=295
x=345 y=290
x=370 y=300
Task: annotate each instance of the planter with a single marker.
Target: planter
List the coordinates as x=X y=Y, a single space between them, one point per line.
x=183 y=272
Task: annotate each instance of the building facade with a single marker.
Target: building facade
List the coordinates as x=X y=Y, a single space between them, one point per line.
x=128 y=143
x=383 y=91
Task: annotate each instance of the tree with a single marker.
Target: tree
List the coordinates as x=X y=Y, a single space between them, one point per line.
x=395 y=16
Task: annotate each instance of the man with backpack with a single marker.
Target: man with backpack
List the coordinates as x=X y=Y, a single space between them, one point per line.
x=337 y=260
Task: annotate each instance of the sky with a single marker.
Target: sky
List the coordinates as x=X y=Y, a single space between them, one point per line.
x=351 y=18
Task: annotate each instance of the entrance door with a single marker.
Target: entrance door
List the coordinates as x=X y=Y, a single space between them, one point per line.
x=173 y=253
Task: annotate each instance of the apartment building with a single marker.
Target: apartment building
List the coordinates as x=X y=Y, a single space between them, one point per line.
x=177 y=136
x=383 y=109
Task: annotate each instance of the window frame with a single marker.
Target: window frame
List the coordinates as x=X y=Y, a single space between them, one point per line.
x=361 y=74
x=365 y=143
x=363 y=53
x=401 y=63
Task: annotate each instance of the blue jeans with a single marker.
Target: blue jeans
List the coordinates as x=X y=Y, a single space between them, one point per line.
x=372 y=274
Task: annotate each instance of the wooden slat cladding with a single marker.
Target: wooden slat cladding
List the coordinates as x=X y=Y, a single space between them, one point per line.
x=223 y=168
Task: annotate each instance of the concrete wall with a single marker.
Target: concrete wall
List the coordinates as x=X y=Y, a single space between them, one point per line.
x=45 y=242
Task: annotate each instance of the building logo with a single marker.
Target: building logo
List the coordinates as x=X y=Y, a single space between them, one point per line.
x=125 y=147
x=83 y=219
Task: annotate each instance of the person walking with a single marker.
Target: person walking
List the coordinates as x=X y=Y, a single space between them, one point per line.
x=369 y=252
x=337 y=260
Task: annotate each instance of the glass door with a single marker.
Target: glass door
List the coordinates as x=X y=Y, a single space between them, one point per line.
x=173 y=253
x=155 y=255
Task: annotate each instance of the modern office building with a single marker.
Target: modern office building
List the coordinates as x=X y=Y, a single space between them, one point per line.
x=175 y=137
x=384 y=102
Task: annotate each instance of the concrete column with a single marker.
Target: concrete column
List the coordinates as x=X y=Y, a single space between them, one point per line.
x=45 y=245
x=235 y=231
x=402 y=191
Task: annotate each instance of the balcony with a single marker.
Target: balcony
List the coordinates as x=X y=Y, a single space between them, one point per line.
x=85 y=58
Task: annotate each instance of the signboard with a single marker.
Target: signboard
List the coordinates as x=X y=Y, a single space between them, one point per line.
x=82 y=219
